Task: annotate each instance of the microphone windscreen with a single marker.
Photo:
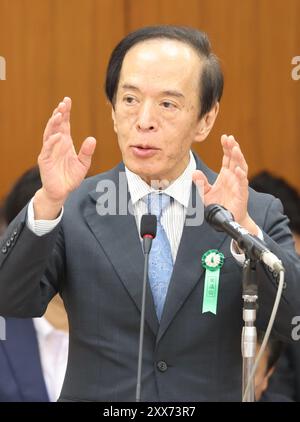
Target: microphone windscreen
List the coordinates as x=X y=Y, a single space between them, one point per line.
x=216 y=216
x=148 y=225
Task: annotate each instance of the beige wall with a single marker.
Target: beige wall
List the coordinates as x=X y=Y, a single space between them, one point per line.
x=55 y=48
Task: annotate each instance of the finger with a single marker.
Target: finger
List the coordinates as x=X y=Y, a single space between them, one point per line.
x=241 y=175
x=66 y=111
x=48 y=147
x=86 y=151
x=239 y=159
x=226 y=152
x=52 y=126
x=228 y=142
x=236 y=156
x=201 y=182
x=63 y=108
x=55 y=111
x=234 y=152
x=67 y=105
x=60 y=108
x=231 y=141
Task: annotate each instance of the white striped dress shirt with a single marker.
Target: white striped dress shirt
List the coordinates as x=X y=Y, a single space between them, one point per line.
x=173 y=217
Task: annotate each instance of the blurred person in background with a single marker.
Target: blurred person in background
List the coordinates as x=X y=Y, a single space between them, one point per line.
x=284 y=384
x=33 y=357
x=267 y=183
x=267 y=365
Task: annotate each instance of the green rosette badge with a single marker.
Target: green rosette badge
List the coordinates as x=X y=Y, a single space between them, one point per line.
x=212 y=262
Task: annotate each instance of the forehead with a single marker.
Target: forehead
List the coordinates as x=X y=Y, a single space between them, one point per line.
x=162 y=61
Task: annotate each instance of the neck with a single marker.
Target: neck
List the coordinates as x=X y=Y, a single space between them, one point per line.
x=56 y=314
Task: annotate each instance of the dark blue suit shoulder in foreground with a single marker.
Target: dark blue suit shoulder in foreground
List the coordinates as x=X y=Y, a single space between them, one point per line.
x=21 y=377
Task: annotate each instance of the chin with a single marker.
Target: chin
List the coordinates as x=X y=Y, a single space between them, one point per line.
x=141 y=169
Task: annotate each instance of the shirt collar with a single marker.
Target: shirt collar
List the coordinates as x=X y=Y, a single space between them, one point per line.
x=179 y=189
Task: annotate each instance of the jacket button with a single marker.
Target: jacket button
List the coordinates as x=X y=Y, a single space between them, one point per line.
x=4 y=249
x=162 y=366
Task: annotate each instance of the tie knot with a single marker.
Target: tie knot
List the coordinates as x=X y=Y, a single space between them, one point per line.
x=157 y=202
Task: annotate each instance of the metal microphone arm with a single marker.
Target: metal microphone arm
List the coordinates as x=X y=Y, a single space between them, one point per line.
x=249 y=334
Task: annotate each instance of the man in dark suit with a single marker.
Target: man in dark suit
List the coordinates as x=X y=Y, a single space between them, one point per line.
x=20 y=365
x=33 y=356
x=164 y=85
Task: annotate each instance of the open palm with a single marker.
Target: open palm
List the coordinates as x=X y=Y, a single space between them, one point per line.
x=231 y=186
x=62 y=169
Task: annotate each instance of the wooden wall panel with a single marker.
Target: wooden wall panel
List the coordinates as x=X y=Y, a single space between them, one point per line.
x=25 y=42
x=255 y=40
x=55 y=48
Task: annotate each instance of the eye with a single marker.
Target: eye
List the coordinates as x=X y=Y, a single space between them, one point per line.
x=129 y=99
x=168 y=105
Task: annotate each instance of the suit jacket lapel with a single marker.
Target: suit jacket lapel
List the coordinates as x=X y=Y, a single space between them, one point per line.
x=188 y=270
x=119 y=237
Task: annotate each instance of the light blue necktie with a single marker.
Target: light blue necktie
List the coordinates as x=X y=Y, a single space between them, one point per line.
x=160 y=258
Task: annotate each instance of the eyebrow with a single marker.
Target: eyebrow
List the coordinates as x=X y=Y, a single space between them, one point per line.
x=171 y=92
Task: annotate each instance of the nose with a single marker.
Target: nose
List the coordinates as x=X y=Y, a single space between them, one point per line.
x=146 y=121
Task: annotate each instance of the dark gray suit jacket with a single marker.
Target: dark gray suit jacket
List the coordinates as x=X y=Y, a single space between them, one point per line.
x=96 y=264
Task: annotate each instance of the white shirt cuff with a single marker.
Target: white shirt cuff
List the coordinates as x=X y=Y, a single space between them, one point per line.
x=41 y=227
x=240 y=257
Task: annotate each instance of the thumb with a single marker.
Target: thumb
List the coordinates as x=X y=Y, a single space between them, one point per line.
x=201 y=182
x=86 y=151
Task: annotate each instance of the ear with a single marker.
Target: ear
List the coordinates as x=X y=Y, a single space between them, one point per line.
x=113 y=116
x=206 y=124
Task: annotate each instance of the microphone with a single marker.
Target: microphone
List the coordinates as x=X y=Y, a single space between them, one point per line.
x=222 y=220
x=148 y=233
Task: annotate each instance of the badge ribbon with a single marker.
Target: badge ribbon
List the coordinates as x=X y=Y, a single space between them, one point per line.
x=212 y=261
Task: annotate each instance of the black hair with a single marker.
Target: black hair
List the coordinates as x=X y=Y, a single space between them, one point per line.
x=274 y=349
x=211 y=78
x=277 y=186
x=21 y=193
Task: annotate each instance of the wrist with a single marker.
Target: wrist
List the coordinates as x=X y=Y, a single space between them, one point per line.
x=46 y=208
x=250 y=225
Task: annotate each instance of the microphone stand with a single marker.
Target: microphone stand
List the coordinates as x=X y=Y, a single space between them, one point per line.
x=249 y=335
x=255 y=250
x=147 y=240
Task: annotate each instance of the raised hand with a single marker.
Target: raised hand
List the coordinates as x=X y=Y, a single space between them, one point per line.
x=62 y=169
x=231 y=187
